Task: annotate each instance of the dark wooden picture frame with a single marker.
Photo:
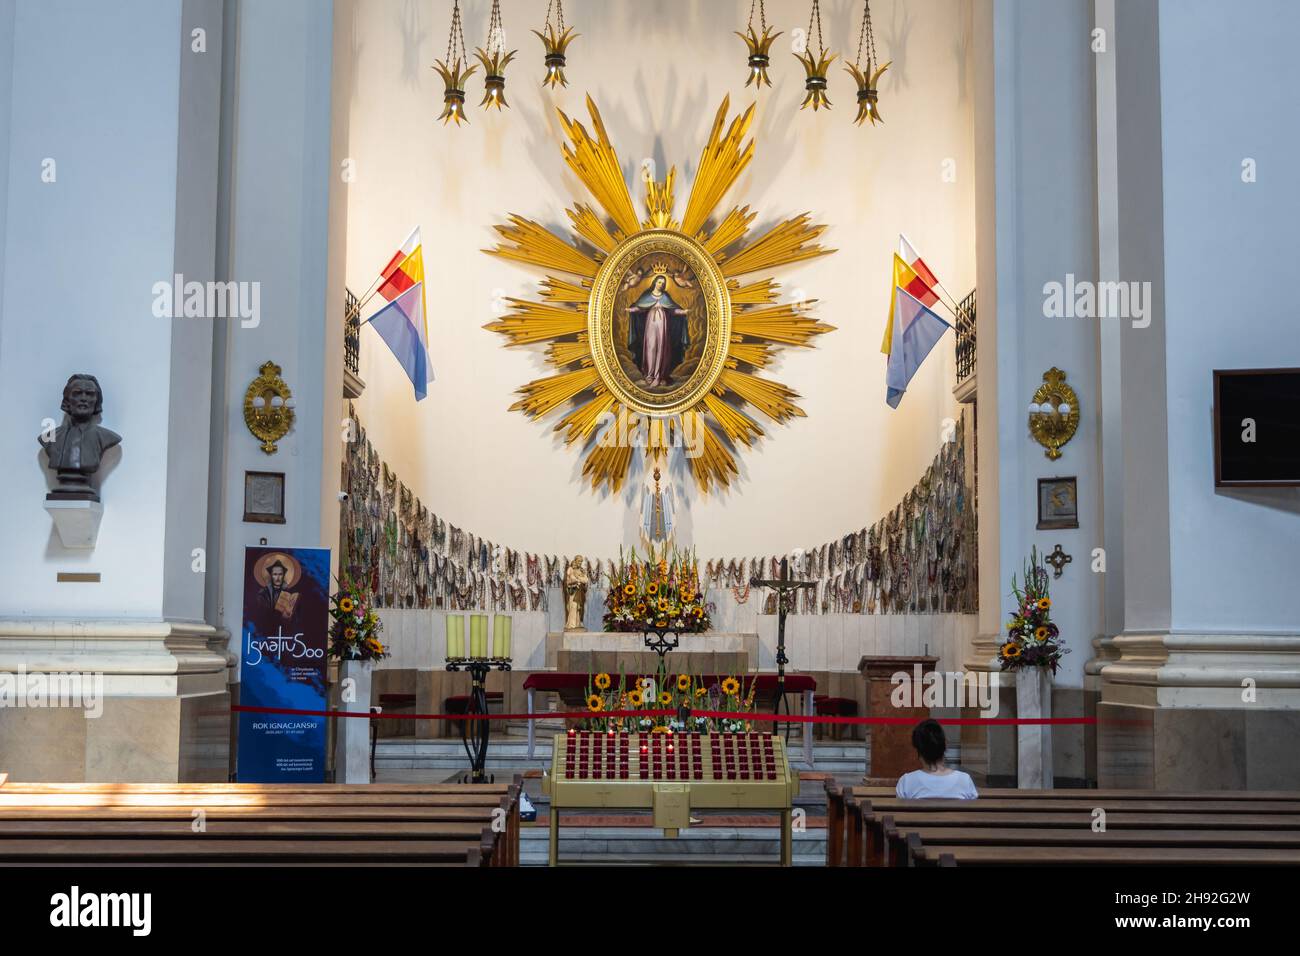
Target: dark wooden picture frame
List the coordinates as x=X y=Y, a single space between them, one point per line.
x=1052 y=516
x=1219 y=480
x=258 y=486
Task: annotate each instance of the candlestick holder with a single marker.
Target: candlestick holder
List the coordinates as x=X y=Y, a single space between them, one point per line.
x=476 y=734
x=661 y=642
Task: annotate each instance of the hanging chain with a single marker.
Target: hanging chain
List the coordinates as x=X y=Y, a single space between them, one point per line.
x=496 y=41
x=871 y=40
x=762 y=14
x=816 y=11
x=456 y=38
x=867 y=37
x=558 y=6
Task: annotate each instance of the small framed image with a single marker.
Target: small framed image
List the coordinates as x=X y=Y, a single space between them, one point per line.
x=264 y=497
x=1058 y=503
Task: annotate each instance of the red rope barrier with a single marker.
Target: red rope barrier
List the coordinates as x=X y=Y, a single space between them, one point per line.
x=718 y=714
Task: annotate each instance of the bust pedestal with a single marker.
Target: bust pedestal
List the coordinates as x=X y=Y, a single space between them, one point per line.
x=892 y=754
x=76 y=520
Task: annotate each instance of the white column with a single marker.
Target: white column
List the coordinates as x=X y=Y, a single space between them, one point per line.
x=108 y=192
x=287 y=217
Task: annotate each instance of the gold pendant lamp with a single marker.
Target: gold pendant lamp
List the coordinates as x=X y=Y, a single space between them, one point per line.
x=494 y=58
x=454 y=71
x=867 y=78
x=760 y=45
x=815 y=81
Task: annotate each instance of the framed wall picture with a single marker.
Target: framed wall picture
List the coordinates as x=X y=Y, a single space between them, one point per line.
x=1256 y=426
x=264 y=497
x=1058 y=503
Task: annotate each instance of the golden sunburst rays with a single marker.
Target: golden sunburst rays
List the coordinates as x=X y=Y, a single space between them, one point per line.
x=659 y=202
x=868 y=96
x=724 y=413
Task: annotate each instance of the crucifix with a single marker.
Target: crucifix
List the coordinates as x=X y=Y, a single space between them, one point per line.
x=785 y=589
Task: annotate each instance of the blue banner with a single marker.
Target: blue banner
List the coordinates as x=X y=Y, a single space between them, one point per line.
x=283 y=647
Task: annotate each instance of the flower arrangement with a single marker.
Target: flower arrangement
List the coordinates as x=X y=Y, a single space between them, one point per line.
x=680 y=693
x=354 y=631
x=1032 y=639
x=657 y=594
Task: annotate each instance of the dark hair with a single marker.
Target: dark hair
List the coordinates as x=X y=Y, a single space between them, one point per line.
x=84 y=377
x=929 y=741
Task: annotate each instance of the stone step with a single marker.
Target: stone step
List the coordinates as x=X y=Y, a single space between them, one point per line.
x=646 y=846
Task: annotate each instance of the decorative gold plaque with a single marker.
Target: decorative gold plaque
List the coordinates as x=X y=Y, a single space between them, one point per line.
x=657 y=318
x=268 y=407
x=1053 y=413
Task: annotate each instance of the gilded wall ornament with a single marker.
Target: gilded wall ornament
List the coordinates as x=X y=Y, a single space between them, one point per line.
x=268 y=407
x=658 y=320
x=1053 y=413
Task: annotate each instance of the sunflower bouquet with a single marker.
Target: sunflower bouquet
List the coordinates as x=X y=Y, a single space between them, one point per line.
x=680 y=693
x=354 y=625
x=657 y=593
x=1032 y=639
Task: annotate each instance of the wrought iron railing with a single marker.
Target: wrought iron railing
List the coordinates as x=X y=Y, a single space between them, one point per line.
x=352 y=333
x=966 y=337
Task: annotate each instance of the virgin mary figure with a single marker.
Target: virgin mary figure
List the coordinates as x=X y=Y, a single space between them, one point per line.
x=656 y=333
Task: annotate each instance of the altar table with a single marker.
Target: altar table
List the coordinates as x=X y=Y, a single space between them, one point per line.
x=559 y=682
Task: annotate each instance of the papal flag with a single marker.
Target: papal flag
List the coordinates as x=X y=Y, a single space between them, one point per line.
x=403 y=323
x=916 y=329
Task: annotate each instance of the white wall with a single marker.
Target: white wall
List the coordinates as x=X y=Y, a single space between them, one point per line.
x=1229 y=248
x=81 y=256
x=658 y=73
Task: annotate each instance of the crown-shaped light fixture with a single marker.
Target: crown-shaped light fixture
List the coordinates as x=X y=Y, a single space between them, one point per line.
x=494 y=58
x=815 y=81
x=760 y=45
x=454 y=71
x=868 y=97
x=556 y=39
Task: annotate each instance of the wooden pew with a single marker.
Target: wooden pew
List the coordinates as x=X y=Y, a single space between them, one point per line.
x=903 y=843
x=858 y=815
x=439 y=824
x=1104 y=856
x=200 y=850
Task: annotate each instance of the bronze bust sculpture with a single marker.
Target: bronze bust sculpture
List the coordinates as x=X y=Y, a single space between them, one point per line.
x=76 y=447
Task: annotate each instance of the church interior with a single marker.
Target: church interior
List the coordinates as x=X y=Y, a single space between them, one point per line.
x=839 y=434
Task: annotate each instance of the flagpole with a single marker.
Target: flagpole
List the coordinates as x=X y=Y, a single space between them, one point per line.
x=368 y=295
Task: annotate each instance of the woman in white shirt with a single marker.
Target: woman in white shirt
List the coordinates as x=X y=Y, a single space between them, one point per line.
x=936 y=780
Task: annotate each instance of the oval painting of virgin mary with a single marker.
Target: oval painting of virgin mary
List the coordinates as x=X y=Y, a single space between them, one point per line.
x=658 y=319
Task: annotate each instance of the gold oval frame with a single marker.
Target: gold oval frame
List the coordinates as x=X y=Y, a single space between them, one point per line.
x=600 y=322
